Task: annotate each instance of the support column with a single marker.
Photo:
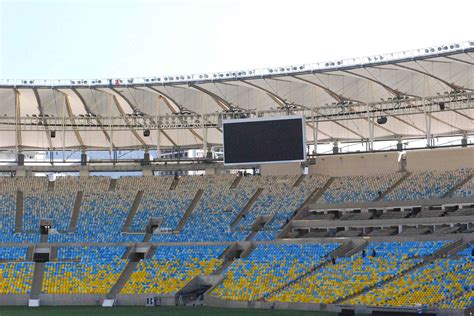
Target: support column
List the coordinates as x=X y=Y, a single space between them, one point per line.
x=20 y=159
x=158 y=145
x=146 y=165
x=399 y=145
x=371 y=134
x=204 y=143
x=84 y=172
x=335 y=148
x=315 y=137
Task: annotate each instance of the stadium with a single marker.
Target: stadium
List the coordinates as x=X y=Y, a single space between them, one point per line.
x=342 y=187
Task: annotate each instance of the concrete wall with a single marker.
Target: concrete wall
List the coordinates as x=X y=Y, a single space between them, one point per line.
x=376 y=163
x=281 y=169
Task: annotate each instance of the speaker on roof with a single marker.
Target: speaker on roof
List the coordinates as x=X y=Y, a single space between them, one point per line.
x=146 y=133
x=441 y=106
x=382 y=120
x=53 y=134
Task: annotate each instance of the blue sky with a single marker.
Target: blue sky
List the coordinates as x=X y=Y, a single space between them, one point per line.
x=52 y=39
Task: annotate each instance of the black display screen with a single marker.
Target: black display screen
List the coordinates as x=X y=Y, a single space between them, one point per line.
x=263 y=140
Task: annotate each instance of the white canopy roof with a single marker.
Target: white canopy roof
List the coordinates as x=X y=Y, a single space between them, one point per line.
x=353 y=84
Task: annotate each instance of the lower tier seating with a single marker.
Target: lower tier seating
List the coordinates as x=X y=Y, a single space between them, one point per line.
x=428 y=285
x=91 y=277
x=268 y=268
x=84 y=270
x=16 y=277
x=171 y=268
x=348 y=276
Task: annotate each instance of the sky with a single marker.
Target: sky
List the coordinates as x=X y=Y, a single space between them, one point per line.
x=53 y=39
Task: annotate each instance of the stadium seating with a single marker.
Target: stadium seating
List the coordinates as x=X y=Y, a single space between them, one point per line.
x=171 y=268
x=269 y=267
x=466 y=190
x=48 y=205
x=168 y=205
x=348 y=276
x=359 y=188
x=440 y=282
x=216 y=210
x=101 y=219
x=428 y=184
x=279 y=199
x=7 y=212
x=84 y=270
x=13 y=253
x=395 y=275
x=87 y=184
x=16 y=277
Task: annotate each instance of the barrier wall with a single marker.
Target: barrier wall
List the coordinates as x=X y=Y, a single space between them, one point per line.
x=377 y=163
x=281 y=169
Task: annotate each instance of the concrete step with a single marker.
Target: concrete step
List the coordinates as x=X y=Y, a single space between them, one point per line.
x=298 y=181
x=113 y=184
x=43 y=238
x=38 y=276
x=29 y=253
x=246 y=208
x=393 y=187
x=122 y=280
x=75 y=211
x=319 y=193
x=174 y=184
x=51 y=186
x=19 y=212
x=133 y=211
x=190 y=209
x=301 y=212
x=236 y=182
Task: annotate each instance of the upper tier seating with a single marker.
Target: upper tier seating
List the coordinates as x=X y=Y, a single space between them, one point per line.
x=428 y=184
x=31 y=185
x=170 y=205
x=359 y=188
x=269 y=267
x=348 y=276
x=466 y=190
x=13 y=253
x=7 y=212
x=215 y=211
x=171 y=268
x=279 y=198
x=167 y=205
x=75 y=184
x=151 y=184
x=47 y=205
x=84 y=270
x=101 y=218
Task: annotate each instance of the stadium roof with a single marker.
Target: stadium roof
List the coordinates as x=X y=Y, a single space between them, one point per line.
x=426 y=92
